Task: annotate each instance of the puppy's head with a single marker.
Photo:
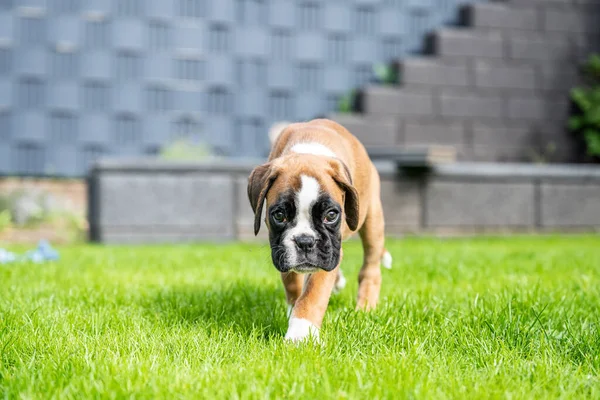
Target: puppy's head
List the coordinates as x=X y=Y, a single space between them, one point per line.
x=309 y=199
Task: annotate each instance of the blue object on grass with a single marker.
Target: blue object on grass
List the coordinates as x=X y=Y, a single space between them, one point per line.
x=7 y=257
x=43 y=252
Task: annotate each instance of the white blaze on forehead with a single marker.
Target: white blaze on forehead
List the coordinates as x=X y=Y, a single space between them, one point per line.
x=309 y=191
x=305 y=198
x=315 y=148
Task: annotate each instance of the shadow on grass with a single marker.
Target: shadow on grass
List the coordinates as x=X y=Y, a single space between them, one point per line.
x=244 y=308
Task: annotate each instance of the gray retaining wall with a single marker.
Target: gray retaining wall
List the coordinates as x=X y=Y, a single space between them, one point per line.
x=147 y=201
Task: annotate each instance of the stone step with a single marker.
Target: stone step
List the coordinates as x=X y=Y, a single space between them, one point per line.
x=433 y=71
x=414 y=132
x=413 y=156
x=461 y=42
x=386 y=100
x=371 y=131
x=499 y=16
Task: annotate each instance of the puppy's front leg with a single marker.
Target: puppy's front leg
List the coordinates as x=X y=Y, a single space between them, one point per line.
x=309 y=310
x=292 y=283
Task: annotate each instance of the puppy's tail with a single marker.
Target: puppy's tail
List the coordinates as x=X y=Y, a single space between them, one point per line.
x=386 y=259
x=276 y=130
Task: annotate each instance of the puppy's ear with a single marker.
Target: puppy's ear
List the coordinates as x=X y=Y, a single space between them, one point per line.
x=259 y=183
x=341 y=176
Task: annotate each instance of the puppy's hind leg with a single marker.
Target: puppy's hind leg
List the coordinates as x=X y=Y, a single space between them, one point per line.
x=372 y=235
x=340 y=281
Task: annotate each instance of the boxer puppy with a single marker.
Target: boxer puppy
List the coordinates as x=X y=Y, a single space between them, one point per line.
x=320 y=187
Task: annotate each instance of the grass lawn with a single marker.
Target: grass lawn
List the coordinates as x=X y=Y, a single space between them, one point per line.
x=464 y=318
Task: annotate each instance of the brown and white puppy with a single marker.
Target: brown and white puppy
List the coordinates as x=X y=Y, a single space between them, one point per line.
x=320 y=187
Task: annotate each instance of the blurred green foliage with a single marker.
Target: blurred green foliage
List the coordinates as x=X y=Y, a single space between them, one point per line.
x=586 y=121
x=347 y=101
x=185 y=150
x=386 y=74
x=383 y=73
x=5 y=220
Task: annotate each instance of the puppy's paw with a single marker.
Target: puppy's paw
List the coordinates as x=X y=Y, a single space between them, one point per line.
x=340 y=283
x=386 y=260
x=300 y=330
x=366 y=304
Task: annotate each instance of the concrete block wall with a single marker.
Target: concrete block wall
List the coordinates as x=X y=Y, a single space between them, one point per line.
x=149 y=201
x=84 y=79
x=496 y=88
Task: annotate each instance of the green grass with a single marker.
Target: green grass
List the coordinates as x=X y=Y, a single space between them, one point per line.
x=477 y=318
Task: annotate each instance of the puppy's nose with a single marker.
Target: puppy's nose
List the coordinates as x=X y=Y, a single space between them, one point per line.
x=305 y=242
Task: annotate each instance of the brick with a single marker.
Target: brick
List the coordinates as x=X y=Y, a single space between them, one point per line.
x=128 y=34
x=281 y=77
x=524 y=141
x=468 y=104
x=337 y=79
x=309 y=47
x=337 y=17
x=556 y=143
x=499 y=155
x=364 y=50
x=501 y=16
x=585 y=44
x=430 y=132
x=504 y=76
x=570 y=205
x=539 y=47
x=570 y=19
x=479 y=204
x=556 y=77
x=557 y=108
x=254 y=42
x=500 y=134
x=383 y=100
x=501 y=142
x=30 y=125
x=401 y=201
x=369 y=130
x=433 y=72
x=64 y=96
x=467 y=43
x=536 y=108
x=527 y=108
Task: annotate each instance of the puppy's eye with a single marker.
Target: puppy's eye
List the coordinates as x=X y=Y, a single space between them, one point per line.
x=331 y=216
x=279 y=217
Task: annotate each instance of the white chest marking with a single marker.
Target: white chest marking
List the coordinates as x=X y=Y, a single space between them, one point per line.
x=315 y=148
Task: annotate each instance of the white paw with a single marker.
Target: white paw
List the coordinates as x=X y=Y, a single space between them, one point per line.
x=340 y=283
x=301 y=329
x=386 y=260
